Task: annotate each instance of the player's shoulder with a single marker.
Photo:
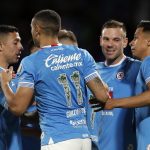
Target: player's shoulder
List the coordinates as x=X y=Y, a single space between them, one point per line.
x=145 y=63
x=76 y=49
x=31 y=57
x=133 y=61
x=100 y=65
x=146 y=60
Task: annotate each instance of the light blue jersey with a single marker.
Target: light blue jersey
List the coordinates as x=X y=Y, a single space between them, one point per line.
x=10 y=136
x=143 y=113
x=114 y=129
x=58 y=75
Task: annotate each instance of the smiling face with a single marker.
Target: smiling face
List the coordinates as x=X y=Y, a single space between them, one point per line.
x=11 y=48
x=112 y=42
x=139 y=44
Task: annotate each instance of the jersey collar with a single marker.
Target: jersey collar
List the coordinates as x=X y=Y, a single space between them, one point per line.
x=124 y=57
x=59 y=44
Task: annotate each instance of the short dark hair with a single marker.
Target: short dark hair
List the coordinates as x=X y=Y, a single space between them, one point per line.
x=114 y=24
x=145 y=24
x=4 y=29
x=49 y=21
x=67 y=34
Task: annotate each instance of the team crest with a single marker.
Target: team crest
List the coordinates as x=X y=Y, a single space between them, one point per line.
x=120 y=75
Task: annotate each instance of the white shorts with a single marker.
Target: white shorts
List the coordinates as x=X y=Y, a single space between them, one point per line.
x=73 y=144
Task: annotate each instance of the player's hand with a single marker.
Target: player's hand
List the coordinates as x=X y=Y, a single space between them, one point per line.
x=96 y=104
x=110 y=104
x=6 y=75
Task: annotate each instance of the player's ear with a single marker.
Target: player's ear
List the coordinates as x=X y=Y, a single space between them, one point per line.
x=37 y=28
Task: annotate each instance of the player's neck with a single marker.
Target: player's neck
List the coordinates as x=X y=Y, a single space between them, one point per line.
x=115 y=61
x=146 y=54
x=49 y=41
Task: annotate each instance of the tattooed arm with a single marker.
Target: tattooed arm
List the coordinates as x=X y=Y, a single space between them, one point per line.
x=99 y=89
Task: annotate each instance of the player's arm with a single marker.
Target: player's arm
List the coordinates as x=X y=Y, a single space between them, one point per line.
x=140 y=100
x=99 y=90
x=19 y=101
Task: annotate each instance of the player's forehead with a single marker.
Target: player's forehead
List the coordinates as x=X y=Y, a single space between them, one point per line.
x=12 y=37
x=113 y=32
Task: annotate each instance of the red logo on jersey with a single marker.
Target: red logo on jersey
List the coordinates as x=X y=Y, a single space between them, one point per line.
x=111 y=92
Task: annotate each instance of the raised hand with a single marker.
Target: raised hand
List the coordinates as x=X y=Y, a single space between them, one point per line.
x=6 y=75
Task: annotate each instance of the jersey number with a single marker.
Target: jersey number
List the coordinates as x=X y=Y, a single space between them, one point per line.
x=75 y=79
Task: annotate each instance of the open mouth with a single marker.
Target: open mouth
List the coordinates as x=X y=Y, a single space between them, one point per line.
x=18 y=56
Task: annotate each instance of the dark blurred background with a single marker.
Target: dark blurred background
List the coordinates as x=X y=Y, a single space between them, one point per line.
x=83 y=17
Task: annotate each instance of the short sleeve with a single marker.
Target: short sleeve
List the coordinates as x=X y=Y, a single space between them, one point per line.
x=26 y=73
x=89 y=67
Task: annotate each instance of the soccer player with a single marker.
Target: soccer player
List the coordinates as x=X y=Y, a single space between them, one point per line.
x=67 y=37
x=114 y=129
x=10 y=49
x=30 y=128
x=140 y=46
x=58 y=74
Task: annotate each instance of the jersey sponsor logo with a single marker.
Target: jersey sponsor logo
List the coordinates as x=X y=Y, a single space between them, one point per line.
x=77 y=123
x=75 y=112
x=57 y=49
x=66 y=66
x=58 y=62
x=120 y=75
x=61 y=59
x=107 y=113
